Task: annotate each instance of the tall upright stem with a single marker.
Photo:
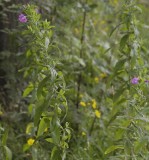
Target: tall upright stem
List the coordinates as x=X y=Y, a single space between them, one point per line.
x=81 y=56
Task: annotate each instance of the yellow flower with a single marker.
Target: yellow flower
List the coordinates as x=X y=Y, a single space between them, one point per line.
x=83 y=104
x=96 y=79
x=81 y=95
x=94 y=104
x=97 y=114
x=30 y=141
x=83 y=134
x=103 y=75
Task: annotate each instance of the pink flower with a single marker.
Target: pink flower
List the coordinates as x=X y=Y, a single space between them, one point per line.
x=146 y=81
x=22 y=18
x=135 y=80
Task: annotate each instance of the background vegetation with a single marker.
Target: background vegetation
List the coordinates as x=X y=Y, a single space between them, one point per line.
x=67 y=86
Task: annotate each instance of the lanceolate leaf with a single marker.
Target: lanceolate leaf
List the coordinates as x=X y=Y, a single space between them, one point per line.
x=113 y=148
x=55 y=155
x=123 y=41
x=41 y=85
x=29 y=88
x=8 y=153
x=44 y=124
x=119 y=65
x=39 y=110
x=115 y=29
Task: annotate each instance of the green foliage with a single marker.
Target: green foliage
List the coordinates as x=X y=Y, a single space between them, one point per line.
x=83 y=55
x=47 y=85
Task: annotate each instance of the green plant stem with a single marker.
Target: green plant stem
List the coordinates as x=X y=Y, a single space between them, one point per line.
x=81 y=56
x=92 y=126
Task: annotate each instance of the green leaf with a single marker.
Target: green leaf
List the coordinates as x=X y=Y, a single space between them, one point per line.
x=26 y=147
x=55 y=155
x=138 y=9
x=118 y=93
x=31 y=109
x=39 y=110
x=107 y=50
x=29 y=128
x=49 y=140
x=120 y=131
x=29 y=88
x=114 y=29
x=28 y=53
x=8 y=153
x=55 y=128
x=119 y=64
x=140 y=144
x=38 y=113
x=44 y=123
x=113 y=148
x=145 y=119
x=80 y=60
x=41 y=85
x=4 y=138
x=123 y=41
